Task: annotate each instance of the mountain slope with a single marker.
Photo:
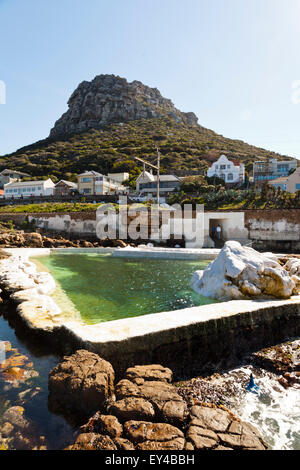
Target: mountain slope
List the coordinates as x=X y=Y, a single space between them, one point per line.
x=110 y=120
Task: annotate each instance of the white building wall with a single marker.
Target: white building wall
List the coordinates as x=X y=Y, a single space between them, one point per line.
x=29 y=188
x=227 y=170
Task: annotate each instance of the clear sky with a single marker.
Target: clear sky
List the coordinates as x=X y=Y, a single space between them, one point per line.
x=233 y=62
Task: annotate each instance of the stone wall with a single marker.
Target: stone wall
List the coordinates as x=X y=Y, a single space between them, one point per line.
x=197 y=340
x=269 y=230
x=274 y=230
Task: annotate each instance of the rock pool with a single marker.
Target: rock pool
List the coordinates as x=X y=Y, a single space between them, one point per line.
x=103 y=288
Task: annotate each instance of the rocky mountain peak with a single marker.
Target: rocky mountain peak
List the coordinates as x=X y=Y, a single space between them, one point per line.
x=111 y=99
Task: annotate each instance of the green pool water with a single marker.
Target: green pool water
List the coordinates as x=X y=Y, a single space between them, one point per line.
x=103 y=288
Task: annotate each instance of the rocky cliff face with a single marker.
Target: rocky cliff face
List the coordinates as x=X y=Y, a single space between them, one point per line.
x=110 y=99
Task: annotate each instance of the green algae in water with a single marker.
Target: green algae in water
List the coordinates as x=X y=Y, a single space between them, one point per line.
x=104 y=288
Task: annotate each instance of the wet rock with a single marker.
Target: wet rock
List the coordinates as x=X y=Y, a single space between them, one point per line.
x=15 y=416
x=14 y=374
x=222 y=448
x=103 y=424
x=215 y=429
x=202 y=438
x=133 y=409
x=6 y=429
x=292 y=377
x=123 y=444
x=29 y=395
x=14 y=361
x=81 y=382
x=90 y=441
x=174 y=444
x=108 y=243
x=168 y=405
x=150 y=372
x=284 y=382
x=210 y=418
x=280 y=358
x=86 y=244
x=144 y=432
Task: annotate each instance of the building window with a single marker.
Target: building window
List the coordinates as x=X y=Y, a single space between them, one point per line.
x=298 y=187
x=230 y=177
x=283 y=168
x=86 y=180
x=223 y=167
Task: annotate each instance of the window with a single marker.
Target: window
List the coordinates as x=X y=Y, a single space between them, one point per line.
x=230 y=177
x=87 y=191
x=223 y=167
x=298 y=187
x=283 y=168
x=86 y=180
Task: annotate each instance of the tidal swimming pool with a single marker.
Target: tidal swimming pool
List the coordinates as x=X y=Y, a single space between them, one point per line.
x=105 y=288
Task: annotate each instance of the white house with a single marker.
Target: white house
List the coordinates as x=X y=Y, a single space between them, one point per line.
x=146 y=184
x=29 y=188
x=227 y=170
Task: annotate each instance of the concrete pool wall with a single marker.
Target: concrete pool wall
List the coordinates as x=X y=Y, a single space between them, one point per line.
x=198 y=338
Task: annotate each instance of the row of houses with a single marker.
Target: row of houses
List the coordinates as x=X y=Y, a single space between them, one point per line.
x=88 y=183
x=280 y=174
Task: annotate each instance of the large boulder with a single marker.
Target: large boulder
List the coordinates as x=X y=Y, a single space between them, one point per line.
x=90 y=441
x=146 y=394
x=34 y=240
x=217 y=429
x=154 y=436
x=103 y=424
x=81 y=382
x=240 y=272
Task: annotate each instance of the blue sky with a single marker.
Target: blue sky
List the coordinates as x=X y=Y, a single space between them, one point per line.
x=232 y=62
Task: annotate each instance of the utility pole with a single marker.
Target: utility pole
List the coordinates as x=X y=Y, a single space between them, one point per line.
x=158 y=177
x=157 y=168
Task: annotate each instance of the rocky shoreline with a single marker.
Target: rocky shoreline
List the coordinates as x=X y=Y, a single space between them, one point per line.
x=21 y=239
x=143 y=411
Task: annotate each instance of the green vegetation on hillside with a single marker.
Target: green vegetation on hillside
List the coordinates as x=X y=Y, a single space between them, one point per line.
x=232 y=199
x=49 y=207
x=183 y=148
